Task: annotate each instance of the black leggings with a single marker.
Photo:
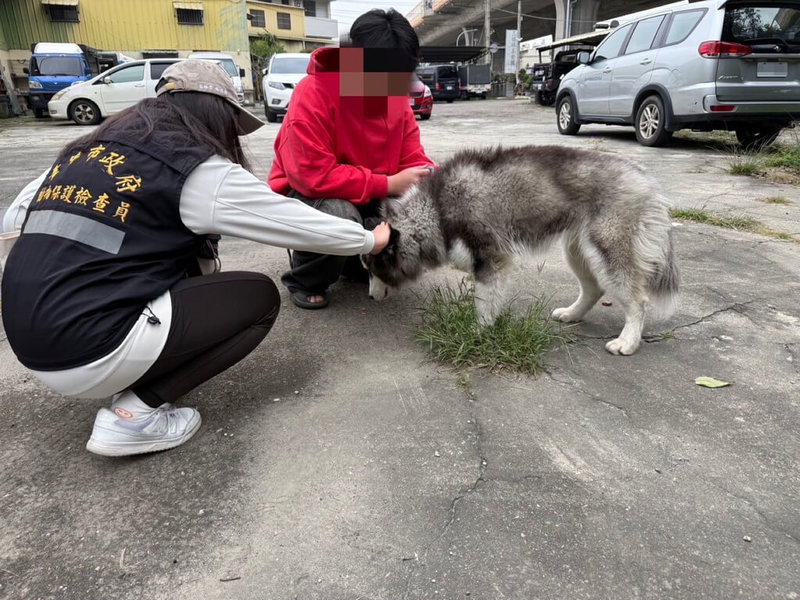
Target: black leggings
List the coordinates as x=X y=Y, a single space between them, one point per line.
x=217 y=320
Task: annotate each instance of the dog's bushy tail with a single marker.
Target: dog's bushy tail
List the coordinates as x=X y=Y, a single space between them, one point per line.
x=664 y=285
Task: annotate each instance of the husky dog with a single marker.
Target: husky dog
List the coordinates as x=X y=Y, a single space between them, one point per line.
x=482 y=206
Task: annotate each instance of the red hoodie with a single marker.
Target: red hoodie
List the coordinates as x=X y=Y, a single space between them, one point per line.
x=333 y=146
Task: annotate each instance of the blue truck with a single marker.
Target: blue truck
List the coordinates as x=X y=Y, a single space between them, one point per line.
x=53 y=67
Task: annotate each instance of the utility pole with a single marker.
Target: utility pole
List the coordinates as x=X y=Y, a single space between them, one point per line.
x=486 y=31
x=519 y=37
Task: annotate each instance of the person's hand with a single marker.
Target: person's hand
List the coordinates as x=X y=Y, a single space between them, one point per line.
x=381 y=235
x=400 y=182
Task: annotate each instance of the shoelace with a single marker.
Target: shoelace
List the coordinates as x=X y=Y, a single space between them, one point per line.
x=168 y=420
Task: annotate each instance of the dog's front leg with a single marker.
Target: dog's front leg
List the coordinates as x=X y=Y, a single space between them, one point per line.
x=486 y=306
x=489 y=291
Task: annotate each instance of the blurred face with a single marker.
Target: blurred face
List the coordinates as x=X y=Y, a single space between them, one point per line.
x=371 y=72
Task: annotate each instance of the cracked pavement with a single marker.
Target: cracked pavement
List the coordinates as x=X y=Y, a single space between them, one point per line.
x=339 y=461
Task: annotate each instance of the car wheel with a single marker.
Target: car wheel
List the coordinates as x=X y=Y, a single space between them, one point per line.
x=272 y=116
x=650 y=123
x=84 y=112
x=449 y=100
x=424 y=117
x=565 y=117
x=756 y=138
x=40 y=113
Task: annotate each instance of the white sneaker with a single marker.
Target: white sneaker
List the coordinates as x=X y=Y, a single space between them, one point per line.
x=133 y=427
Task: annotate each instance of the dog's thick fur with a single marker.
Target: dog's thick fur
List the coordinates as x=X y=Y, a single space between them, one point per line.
x=482 y=206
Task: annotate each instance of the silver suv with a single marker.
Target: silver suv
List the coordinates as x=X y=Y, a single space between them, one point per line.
x=713 y=64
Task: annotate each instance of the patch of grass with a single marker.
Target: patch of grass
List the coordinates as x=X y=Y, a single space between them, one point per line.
x=736 y=223
x=699 y=216
x=746 y=164
x=786 y=156
x=776 y=200
x=779 y=163
x=450 y=328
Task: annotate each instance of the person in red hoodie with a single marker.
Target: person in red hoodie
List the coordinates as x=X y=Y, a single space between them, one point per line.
x=349 y=140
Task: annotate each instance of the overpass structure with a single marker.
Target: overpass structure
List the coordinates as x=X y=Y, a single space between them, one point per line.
x=449 y=23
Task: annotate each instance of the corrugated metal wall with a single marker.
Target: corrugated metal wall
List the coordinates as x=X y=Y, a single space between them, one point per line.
x=128 y=25
x=3 y=44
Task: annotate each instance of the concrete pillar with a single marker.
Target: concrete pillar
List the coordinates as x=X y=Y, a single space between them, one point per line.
x=584 y=16
x=581 y=15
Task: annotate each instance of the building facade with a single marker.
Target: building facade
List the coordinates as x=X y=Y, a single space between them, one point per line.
x=145 y=28
x=300 y=25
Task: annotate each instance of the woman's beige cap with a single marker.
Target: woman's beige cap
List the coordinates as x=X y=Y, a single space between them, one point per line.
x=209 y=78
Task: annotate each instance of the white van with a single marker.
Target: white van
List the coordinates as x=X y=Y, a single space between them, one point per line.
x=227 y=63
x=87 y=102
x=285 y=70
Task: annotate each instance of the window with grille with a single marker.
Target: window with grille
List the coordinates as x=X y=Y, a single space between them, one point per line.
x=189 y=16
x=284 y=21
x=310 y=8
x=258 y=19
x=63 y=14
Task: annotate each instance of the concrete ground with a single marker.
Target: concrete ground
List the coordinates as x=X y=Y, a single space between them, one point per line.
x=340 y=461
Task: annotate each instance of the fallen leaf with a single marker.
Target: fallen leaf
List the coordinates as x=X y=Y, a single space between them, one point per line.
x=710 y=382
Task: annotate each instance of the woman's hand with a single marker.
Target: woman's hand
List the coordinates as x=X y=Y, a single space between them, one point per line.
x=381 y=235
x=400 y=182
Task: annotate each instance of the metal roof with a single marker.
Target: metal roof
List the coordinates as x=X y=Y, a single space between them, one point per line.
x=593 y=38
x=446 y=54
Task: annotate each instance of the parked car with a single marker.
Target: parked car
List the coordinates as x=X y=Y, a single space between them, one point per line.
x=443 y=81
x=547 y=76
x=421 y=98
x=706 y=65
x=284 y=72
x=109 y=92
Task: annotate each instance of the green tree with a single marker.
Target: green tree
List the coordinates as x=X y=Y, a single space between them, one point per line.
x=261 y=50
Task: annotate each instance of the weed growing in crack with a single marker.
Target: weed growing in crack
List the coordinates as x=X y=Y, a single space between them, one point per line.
x=519 y=343
x=734 y=222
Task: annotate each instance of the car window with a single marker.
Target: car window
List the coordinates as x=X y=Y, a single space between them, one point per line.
x=132 y=73
x=289 y=65
x=682 y=25
x=57 y=65
x=755 y=22
x=230 y=67
x=644 y=34
x=426 y=76
x=157 y=68
x=612 y=45
x=447 y=72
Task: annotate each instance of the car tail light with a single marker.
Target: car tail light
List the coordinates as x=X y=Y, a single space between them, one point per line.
x=438 y=86
x=723 y=50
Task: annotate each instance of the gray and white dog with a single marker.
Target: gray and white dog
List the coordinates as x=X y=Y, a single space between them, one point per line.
x=483 y=206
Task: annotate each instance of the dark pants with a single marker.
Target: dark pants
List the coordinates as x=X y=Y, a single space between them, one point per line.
x=313 y=273
x=217 y=320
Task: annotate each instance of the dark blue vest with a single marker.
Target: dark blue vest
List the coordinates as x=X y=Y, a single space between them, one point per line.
x=102 y=237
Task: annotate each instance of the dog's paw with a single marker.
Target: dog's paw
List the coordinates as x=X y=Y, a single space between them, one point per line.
x=485 y=320
x=565 y=315
x=622 y=347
